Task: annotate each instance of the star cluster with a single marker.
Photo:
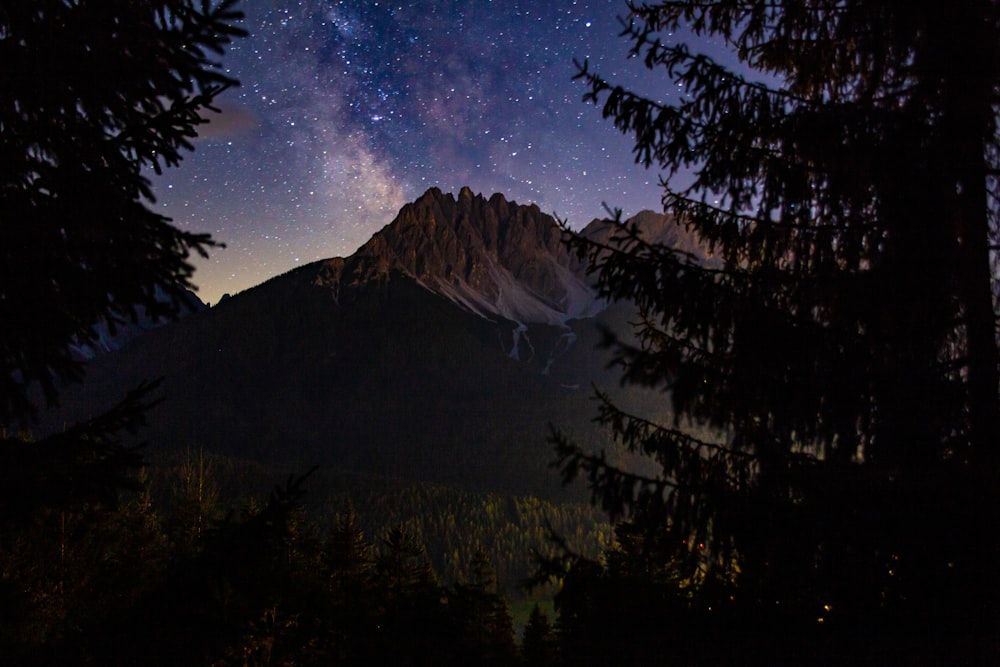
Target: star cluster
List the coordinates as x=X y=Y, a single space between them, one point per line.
x=348 y=109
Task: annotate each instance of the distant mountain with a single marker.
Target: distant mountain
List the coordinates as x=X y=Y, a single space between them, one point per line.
x=110 y=337
x=440 y=351
x=654 y=228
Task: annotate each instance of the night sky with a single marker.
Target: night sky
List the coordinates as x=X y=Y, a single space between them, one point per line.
x=348 y=110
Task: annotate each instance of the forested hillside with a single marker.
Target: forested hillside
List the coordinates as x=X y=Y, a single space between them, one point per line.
x=423 y=572
x=452 y=524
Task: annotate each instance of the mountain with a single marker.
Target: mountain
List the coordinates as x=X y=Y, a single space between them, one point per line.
x=493 y=258
x=440 y=352
x=653 y=228
x=110 y=337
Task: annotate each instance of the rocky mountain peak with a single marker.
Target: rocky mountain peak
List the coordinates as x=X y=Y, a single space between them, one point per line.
x=491 y=256
x=494 y=257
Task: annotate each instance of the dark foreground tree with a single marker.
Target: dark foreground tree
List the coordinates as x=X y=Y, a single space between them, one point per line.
x=833 y=368
x=91 y=94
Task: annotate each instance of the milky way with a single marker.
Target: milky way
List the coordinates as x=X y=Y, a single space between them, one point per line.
x=347 y=110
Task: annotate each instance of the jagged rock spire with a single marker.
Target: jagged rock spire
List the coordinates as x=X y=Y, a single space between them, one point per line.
x=491 y=256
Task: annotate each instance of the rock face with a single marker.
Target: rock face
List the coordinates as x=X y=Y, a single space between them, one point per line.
x=492 y=257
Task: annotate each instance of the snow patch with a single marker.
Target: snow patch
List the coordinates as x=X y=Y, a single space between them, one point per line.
x=520 y=330
x=562 y=346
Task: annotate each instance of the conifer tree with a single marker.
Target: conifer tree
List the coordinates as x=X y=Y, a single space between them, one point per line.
x=412 y=624
x=538 y=648
x=349 y=567
x=348 y=556
x=833 y=367
x=402 y=568
x=92 y=95
x=482 y=614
